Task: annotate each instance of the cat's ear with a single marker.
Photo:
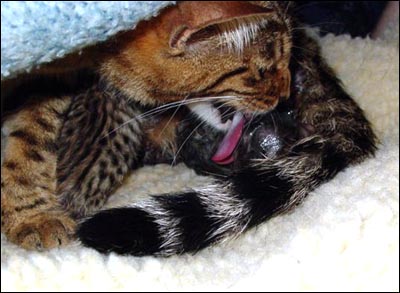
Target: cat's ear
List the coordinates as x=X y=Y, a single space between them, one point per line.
x=196 y=21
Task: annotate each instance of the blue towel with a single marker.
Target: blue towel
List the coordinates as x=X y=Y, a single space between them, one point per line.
x=35 y=32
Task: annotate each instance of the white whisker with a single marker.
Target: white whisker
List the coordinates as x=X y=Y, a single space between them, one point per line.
x=184 y=142
x=215 y=174
x=172 y=117
x=166 y=107
x=190 y=134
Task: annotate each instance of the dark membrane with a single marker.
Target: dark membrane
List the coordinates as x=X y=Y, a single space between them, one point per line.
x=269 y=135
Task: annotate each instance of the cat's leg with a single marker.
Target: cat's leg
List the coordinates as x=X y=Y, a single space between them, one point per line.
x=336 y=125
x=192 y=220
x=335 y=135
x=30 y=214
x=100 y=142
x=189 y=221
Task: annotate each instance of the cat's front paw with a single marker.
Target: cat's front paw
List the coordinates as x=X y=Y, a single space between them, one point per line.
x=44 y=231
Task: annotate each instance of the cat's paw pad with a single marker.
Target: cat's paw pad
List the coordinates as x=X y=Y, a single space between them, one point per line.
x=45 y=231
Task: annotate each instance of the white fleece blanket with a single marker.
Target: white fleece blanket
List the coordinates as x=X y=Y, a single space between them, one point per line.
x=344 y=237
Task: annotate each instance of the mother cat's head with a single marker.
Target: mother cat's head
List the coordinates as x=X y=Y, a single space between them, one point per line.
x=202 y=49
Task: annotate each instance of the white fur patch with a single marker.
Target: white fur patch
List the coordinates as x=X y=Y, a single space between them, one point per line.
x=231 y=213
x=208 y=113
x=168 y=225
x=222 y=206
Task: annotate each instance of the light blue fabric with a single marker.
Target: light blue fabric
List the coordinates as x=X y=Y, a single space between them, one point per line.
x=34 y=32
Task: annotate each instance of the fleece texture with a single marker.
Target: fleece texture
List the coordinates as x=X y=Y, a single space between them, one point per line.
x=36 y=32
x=344 y=237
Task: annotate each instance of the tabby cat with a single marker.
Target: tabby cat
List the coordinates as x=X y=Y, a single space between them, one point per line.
x=218 y=70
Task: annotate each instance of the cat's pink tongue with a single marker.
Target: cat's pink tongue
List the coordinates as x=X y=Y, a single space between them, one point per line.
x=223 y=155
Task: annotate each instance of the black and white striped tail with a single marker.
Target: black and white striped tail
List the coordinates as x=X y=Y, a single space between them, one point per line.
x=189 y=221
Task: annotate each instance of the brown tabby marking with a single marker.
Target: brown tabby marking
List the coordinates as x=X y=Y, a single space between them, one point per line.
x=31 y=216
x=164 y=59
x=94 y=157
x=162 y=133
x=147 y=66
x=188 y=51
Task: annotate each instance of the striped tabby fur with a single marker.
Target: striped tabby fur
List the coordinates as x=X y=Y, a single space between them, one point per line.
x=331 y=133
x=66 y=154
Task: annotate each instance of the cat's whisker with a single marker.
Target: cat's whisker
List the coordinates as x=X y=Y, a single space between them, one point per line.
x=322 y=23
x=273 y=122
x=190 y=135
x=300 y=7
x=287 y=9
x=304 y=49
x=312 y=27
x=228 y=112
x=249 y=122
x=216 y=174
x=184 y=142
x=166 y=107
x=252 y=115
x=172 y=117
x=183 y=102
x=187 y=102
